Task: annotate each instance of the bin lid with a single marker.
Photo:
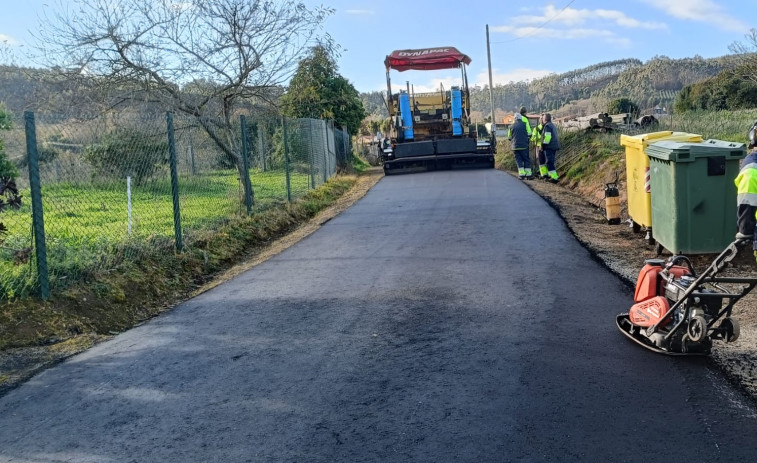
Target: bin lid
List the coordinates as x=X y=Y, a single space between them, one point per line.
x=642 y=140
x=688 y=152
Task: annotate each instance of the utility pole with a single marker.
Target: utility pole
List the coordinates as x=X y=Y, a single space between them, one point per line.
x=491 y=95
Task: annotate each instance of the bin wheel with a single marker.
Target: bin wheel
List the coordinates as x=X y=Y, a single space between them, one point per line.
x=635 y=227
x=649 y=237
x=658 y=249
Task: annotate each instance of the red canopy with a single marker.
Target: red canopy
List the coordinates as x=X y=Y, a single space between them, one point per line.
x=426 y=59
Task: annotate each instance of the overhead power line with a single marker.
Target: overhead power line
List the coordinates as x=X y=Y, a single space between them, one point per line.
x=540 y=25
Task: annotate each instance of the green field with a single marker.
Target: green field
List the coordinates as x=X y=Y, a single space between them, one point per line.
x=88 y=227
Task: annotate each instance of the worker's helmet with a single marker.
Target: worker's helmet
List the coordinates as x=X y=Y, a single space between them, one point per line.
x=753 y=136
x=523 y=110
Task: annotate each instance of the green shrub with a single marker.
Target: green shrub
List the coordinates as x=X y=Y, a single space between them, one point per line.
x=622 y=105
x=128 y=152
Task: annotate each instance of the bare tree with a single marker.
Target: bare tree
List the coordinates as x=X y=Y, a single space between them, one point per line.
x=747 y=51
x=150 y=50
x=6 y=54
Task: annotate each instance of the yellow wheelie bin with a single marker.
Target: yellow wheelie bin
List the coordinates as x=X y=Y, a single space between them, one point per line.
x=637 y=173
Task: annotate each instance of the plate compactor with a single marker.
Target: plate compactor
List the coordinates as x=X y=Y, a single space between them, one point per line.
x=680 y=312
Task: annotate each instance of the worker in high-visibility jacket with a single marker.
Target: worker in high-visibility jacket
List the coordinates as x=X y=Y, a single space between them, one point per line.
x=746 y=191
x=519 y=134
x=550 y=144
x=536 y=139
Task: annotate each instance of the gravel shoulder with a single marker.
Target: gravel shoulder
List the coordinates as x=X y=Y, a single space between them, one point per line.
x=624 y=252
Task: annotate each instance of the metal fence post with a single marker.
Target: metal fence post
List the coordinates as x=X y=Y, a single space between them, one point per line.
x=312 y=155
x=38 y=218
x=246 y=166
x=327 y=151
x=286 y=157
x=262 y=146
x=347 y=151
x=174 y=182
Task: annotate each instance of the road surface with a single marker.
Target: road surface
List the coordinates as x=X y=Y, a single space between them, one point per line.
x=445 y=317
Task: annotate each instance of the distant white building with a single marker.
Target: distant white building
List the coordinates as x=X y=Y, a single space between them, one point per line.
x=500 y=129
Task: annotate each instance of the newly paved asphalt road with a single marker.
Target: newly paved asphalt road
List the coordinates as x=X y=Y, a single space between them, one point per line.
x=446 y=317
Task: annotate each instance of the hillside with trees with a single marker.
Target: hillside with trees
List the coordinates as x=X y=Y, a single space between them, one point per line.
x=702 y=83
x=656 y=82
x=374 y=104
x=553 y=91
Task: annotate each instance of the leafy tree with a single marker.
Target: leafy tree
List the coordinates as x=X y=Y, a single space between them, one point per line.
x=128 y=152
x=683 y=100
x=747 y=95
x=229 y=52
x=726 y=91
x=318 y=91
x=622 y=105
x=375 y=127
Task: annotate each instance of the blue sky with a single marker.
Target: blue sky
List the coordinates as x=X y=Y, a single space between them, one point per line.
x=528 y=39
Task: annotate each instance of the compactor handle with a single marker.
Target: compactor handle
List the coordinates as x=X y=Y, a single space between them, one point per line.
x=728 y=253
x=674 y=260
x=724 y=257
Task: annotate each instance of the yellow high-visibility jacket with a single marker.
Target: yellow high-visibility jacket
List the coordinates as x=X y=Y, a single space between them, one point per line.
x=536 y=134
x=746 y=200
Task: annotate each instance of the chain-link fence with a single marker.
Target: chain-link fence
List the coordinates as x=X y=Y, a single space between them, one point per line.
x=113 y=186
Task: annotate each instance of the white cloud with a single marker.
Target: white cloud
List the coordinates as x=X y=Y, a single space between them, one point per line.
x=554 y=33
x=705 y=11
x=7 y=39
x=566 y=34
x=577 y=25
x=433 y=85
x=575 y=17
x=360 y=12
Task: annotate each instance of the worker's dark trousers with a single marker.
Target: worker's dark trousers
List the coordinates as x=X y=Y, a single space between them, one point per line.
x=522 y=158
x=550 y=155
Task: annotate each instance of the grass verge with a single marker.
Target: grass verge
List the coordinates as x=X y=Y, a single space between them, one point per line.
x=156 y=277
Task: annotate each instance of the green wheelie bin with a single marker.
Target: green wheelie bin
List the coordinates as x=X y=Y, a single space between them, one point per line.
x=693 y=194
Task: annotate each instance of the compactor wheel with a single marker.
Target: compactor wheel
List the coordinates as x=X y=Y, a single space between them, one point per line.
x=697 y=329
x=731 y=330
